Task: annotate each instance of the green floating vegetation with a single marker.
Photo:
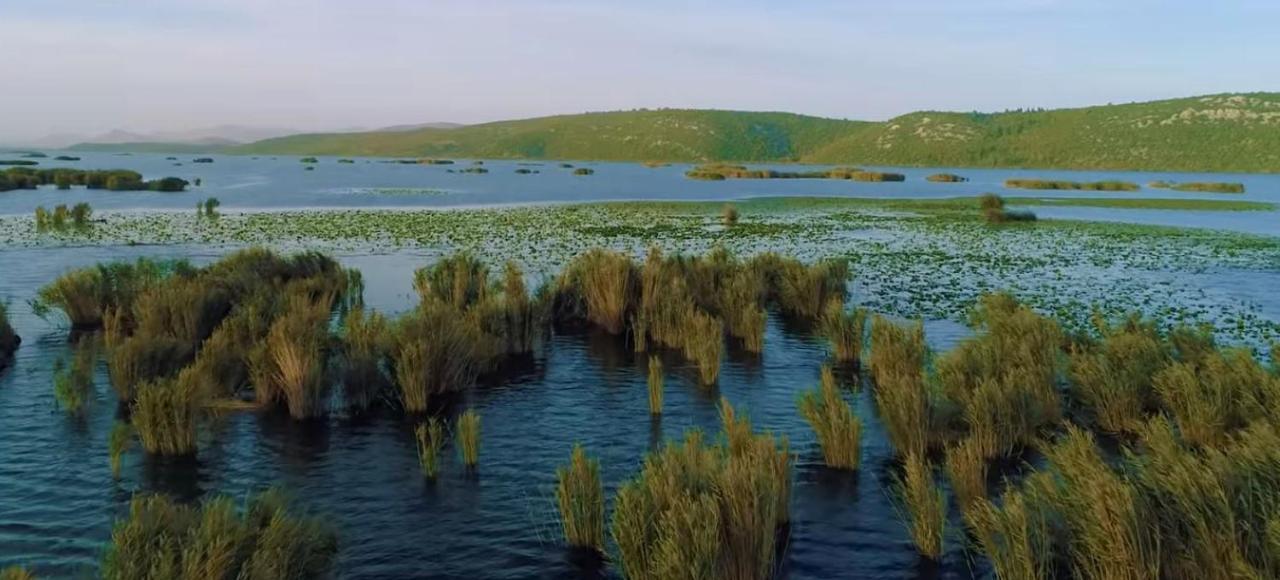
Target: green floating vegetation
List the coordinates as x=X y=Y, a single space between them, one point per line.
x=1111 y=185
x=202 y=160
x=18 y=162
x=584 y=171
x=348 y=161
x=475 y=170
x=309 y=160
x=946 y=178
x=66 y=158
x=435 y=161
x=266 y=538
x=525 y=171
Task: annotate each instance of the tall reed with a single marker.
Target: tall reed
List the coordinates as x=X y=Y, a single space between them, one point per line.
x=1107 y=522
x=655 y=384
x=705 y=511
x=966 y=464
x=437 y=351
x=366 y=342
x=923 y=504
x=165 y=415
x=459 y=280
x=1114 y=378
x=845 y=331
x=430 y=438
x=1220 y=394
x=704 y=345
x=118 y=443
x=297 y=360
x=902 y=396
x=143 y=358
x=838 y=430
x=580 y=498
x=605 y=283
x=73 y=383
x=729 y=215
x=267 y=538
x=16 y=573
x=1015 y=536
x=468 y=432
x=805 y=291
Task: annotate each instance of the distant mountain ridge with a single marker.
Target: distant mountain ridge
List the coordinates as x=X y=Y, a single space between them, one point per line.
x=1224 y=133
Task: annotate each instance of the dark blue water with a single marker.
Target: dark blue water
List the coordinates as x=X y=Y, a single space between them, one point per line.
x=248 y=183
x=58 y=499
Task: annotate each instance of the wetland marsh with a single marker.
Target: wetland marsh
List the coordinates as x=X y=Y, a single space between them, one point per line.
x=917 y=250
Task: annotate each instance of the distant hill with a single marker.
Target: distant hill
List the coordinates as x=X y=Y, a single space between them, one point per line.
x=659 y=135
x=207 y=146
x=1229 y=132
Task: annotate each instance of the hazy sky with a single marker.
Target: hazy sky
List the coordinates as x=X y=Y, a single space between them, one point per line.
x=88 y=66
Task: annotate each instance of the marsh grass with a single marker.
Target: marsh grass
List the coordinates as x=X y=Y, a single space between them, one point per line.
x=966 y=465
x=73 y=382
x=430 y=437
x=806 y=291
x=1015 y=536
x=436 y=351
x=460 y=280
x=118 y=443
x=85 y=295
x=1108 y=524
x=898 y=355
x=705 y=511
x=845 y=331
x=838 y=430
x=1114 y=377
x=268 y=538
x=16 y=573
x=655 y=385
x=580 y=498
x=366 y=342
x=1220 y=394
x=604 y=283
x=704 y=345
x=729 y=215
x=923 y=506
x=468 y=433
x=297 y=359
x=143 y=358
x=166 y=414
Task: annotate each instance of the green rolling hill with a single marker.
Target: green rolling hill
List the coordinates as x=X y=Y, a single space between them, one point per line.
x=1230 y=132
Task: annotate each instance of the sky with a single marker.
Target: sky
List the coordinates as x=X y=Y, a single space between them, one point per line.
x=89 y=66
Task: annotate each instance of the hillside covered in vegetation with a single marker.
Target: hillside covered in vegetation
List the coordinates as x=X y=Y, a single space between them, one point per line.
x=1235 y=132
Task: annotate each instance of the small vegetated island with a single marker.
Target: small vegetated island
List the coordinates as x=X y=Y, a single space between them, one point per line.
x=723 y=171
x=1049 y=184
x=947 y=178
x=1199 y=186
x=108 y=179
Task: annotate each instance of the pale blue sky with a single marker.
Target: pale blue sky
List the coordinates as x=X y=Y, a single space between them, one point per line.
x=88 y=66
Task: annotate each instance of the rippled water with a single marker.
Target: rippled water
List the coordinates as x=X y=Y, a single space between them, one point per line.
x=244 y=183
x=58 y=499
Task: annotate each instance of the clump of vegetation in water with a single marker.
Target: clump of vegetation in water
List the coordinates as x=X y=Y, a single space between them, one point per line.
x=721 y=504
x=655 y=164
x=722 y=171
x=166 y=415
x=525 y=171
x=267 y=538
x=365 y=343
x=947 y=178
x=994 y=211
x=73 y=383
x=654 y=382
x=435 y=161
x=9 y=340
x=474 y=170
x=467 y=428
x=202 y=160
x=967 y=467
x=1111 y=185
x=208 y=209
x=65 y=178
x=118 y=443
x=923 y=506
x=580 y=497
x=898 y=355
x=18 y=162
x=16 y=573
x=729 y=215
x=1208 y=187
x=309 y=160
x=838 y=430
x=66 y=158
x=845 y=331
x=584 y=171
x=346 y=161
x=430 y=439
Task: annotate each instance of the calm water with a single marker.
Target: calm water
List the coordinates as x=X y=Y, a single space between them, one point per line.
x=58 y=500
x=243 y=183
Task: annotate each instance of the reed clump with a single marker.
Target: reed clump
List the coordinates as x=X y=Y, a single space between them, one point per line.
x=166 y=414
x=946 y=178
x=1111 y=185
x=267 y=538
x=729 y=215
x=966 y=466
x=898 y=355
x=85 y=295
x=838 y=430
x=294 y=366
x=994 y=211
x=705 y=510
x=601 y=285
x=1004 y=379
x=1211 y=399
x=580 y=498
x=73 y=382
x=655 y=385
x=1016 y=535
x=924 y=506
x=16 y=573
x=468 y=433
x=436 y=350
x=1113 y=378
x=430 y=439
x=366 y=343
x=118 y=443
x=845 y=330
